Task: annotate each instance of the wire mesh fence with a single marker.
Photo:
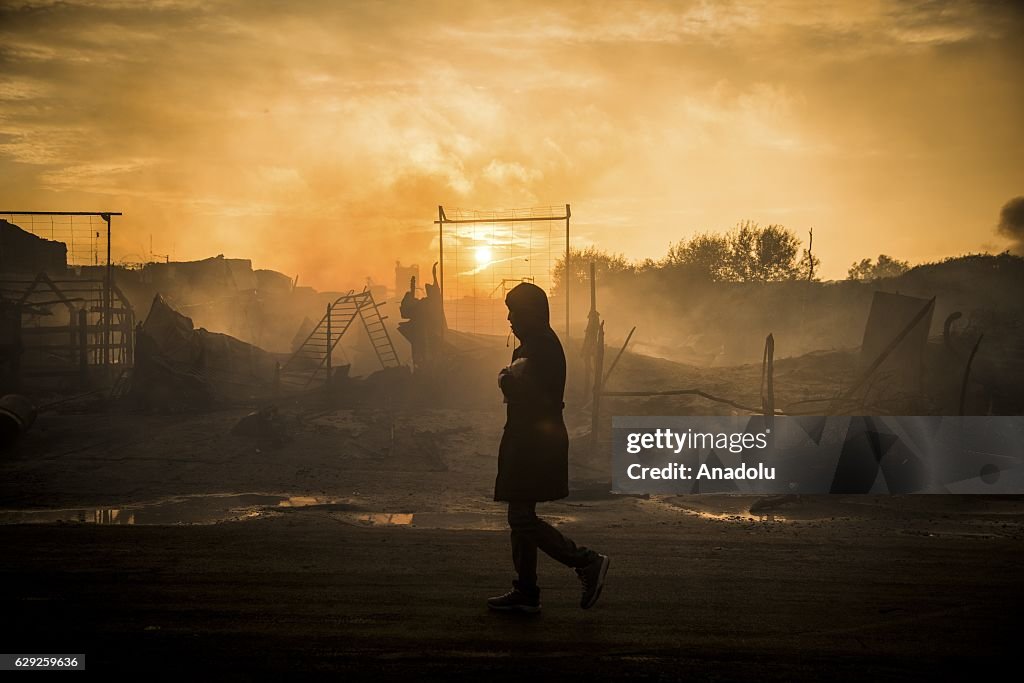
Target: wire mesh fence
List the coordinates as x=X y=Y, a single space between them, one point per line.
x=486 y=253
x=85 y=236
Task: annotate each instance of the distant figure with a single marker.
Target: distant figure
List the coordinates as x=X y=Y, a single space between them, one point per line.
x=437 y=323
x=533 y=459
x=413 y=327
x=426 y=323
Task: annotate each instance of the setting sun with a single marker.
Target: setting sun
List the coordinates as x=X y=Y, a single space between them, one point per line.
x=483 y=255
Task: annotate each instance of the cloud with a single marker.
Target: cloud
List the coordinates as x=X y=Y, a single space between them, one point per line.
x=254 y=129
x=1011 y=223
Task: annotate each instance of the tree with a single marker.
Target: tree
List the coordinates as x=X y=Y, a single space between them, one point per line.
x=860 y=270
x=884 y=267
x=706 y=254
x=808 y=267
x=759 y=254
x=749 y=253
x=765 y=254
x=606 y=263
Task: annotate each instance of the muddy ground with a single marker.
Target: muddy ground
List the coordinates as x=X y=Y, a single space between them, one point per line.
x=343 y=549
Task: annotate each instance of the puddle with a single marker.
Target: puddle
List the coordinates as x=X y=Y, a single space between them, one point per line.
x=212 y=509
x=458 y=521
x=600 y=492
x=734 y=511
x=202 y=509
x=734 y=517
x=381 y=518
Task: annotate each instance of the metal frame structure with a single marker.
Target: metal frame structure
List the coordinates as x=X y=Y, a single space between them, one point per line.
x=69 y=348
x=108 y=276
x=443 y=220
x=316 y=352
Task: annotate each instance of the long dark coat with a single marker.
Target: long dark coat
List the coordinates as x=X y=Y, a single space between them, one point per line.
x=533 y=458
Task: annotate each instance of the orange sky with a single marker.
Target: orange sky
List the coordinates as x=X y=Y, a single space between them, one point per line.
x=319 y=138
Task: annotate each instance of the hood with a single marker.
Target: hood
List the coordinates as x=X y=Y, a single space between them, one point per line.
x=530 y=302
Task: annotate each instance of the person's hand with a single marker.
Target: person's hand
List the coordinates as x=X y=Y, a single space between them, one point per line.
x=518 y=368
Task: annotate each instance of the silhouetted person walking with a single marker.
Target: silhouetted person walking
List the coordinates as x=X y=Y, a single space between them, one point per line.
x=533 y=459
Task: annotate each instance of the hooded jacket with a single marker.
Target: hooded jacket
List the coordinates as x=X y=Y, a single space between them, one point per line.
x=533 y=458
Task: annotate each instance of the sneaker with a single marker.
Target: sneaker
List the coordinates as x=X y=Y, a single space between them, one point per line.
x=592 y=577
x=516 y=601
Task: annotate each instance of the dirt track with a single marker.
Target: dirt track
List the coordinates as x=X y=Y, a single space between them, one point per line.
x=890 y=588
x=304 y=592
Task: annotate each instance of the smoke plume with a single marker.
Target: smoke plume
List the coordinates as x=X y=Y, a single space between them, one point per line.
x=1011 y=223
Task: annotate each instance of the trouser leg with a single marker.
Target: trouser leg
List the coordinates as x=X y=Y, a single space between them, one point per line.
x=524 y=549
x=530 y=532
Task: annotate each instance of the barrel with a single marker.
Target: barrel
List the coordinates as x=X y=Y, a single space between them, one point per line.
x=16 y=415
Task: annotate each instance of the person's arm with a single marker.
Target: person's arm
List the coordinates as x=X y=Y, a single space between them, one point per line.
x=517 y=381
x=531 y=382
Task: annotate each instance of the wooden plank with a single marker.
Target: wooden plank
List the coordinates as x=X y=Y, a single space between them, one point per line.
x=595 y=408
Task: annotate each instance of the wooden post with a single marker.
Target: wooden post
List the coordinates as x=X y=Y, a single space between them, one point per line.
x=568 y=213
x=589 y=335
x=129 y=337
x=593 y=287
x=595 y=407
x=810 y=257
x=107 y=301
x=83 y=347
x=769 y=396
x=440 y=248
x=967 y=374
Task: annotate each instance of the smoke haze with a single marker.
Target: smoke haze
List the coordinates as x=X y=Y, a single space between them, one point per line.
x=1011 y=224
x=318 y=137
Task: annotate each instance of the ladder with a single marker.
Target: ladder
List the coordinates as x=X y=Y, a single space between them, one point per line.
x=313 y=359
x=373 y=323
